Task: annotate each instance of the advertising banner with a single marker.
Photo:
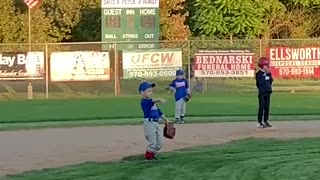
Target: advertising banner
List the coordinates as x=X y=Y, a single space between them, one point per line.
x=224 y=63
x=80 y=66
x=294 y=62
x=151 y=64
x=21 y=65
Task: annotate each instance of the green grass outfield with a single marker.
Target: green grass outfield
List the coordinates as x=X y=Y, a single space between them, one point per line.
x=120 y=110
x=249 y=159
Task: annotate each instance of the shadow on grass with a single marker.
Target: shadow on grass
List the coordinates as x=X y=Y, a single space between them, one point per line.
x=139 y=157
x=166 y=155
x=246 y=143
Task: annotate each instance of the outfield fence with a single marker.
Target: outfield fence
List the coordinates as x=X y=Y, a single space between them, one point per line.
x=95 y=69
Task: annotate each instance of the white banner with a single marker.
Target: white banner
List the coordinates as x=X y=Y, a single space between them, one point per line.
x=160 y=63
x=80 y=66
x=224 y=63
x=129 y=3
x=152 y=59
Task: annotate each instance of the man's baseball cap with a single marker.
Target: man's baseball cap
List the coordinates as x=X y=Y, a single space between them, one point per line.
x=179 y=72
x=145 y=85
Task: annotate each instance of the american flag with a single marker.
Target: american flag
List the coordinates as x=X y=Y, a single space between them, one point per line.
x=31 y=3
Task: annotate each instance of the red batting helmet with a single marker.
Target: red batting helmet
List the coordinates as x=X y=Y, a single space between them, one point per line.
x=263 y=61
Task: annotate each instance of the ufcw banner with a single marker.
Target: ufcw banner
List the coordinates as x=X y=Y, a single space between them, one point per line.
x=80 y=66
x=21 y=65
x=151 y=64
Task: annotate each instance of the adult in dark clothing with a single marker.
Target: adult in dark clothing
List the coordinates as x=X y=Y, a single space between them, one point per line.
x=264 y=84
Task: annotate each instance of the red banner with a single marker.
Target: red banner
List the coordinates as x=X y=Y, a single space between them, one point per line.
x=224 y=63
x=294 y=62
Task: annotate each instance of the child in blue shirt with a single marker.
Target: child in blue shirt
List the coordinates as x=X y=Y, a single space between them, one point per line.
x=180 y=87
x=152 y=115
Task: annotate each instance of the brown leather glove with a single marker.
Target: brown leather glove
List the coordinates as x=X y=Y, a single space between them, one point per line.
x=169 y=131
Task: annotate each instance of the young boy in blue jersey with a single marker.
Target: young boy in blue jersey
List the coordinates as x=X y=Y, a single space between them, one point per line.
x=152 y=116
x=264 y=82
x=180 y=87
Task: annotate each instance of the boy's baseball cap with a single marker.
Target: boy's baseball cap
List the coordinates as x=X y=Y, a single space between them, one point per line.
x=145 y=85
x=179 y=72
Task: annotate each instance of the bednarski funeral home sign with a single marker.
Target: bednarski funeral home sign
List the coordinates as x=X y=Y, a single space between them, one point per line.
x=224 y=63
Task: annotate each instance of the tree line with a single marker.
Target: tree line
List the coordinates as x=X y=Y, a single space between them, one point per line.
x=80 y=20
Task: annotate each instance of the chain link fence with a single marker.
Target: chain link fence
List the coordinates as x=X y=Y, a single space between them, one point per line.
x=116 y=83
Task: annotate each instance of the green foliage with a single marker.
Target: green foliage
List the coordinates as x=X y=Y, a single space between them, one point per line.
x=73 y=19
x=63 y=15
x=14 y=24
x=226 y=18
x=80 y=20
x=266 y=18
x=40 y=27
x=89 y=26
x=9 y=24
x=53 y=21
x=292 y=19
x=305 y=3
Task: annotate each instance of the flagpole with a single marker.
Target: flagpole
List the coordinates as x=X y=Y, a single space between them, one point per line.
x=29 y=31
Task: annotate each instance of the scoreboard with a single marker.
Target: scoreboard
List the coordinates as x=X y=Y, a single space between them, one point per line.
x=130 y=20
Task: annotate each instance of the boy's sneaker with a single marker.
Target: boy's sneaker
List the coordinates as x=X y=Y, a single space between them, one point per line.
x=178 y=121
x=149 y=156
x=261 y=126
x=182 y=119
x=267 y=125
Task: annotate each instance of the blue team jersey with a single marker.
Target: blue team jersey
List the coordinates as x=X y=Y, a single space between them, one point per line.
x=181 y=86
x=150 y=110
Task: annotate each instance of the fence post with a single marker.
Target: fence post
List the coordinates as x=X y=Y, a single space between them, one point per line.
x=47 y=71
x=116 y=72
x=189 y=65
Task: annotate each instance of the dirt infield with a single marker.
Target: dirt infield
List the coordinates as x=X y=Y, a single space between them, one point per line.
x=48 y=148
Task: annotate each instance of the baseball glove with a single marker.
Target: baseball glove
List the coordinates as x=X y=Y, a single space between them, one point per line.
x=169 y=131
x=187 y=98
